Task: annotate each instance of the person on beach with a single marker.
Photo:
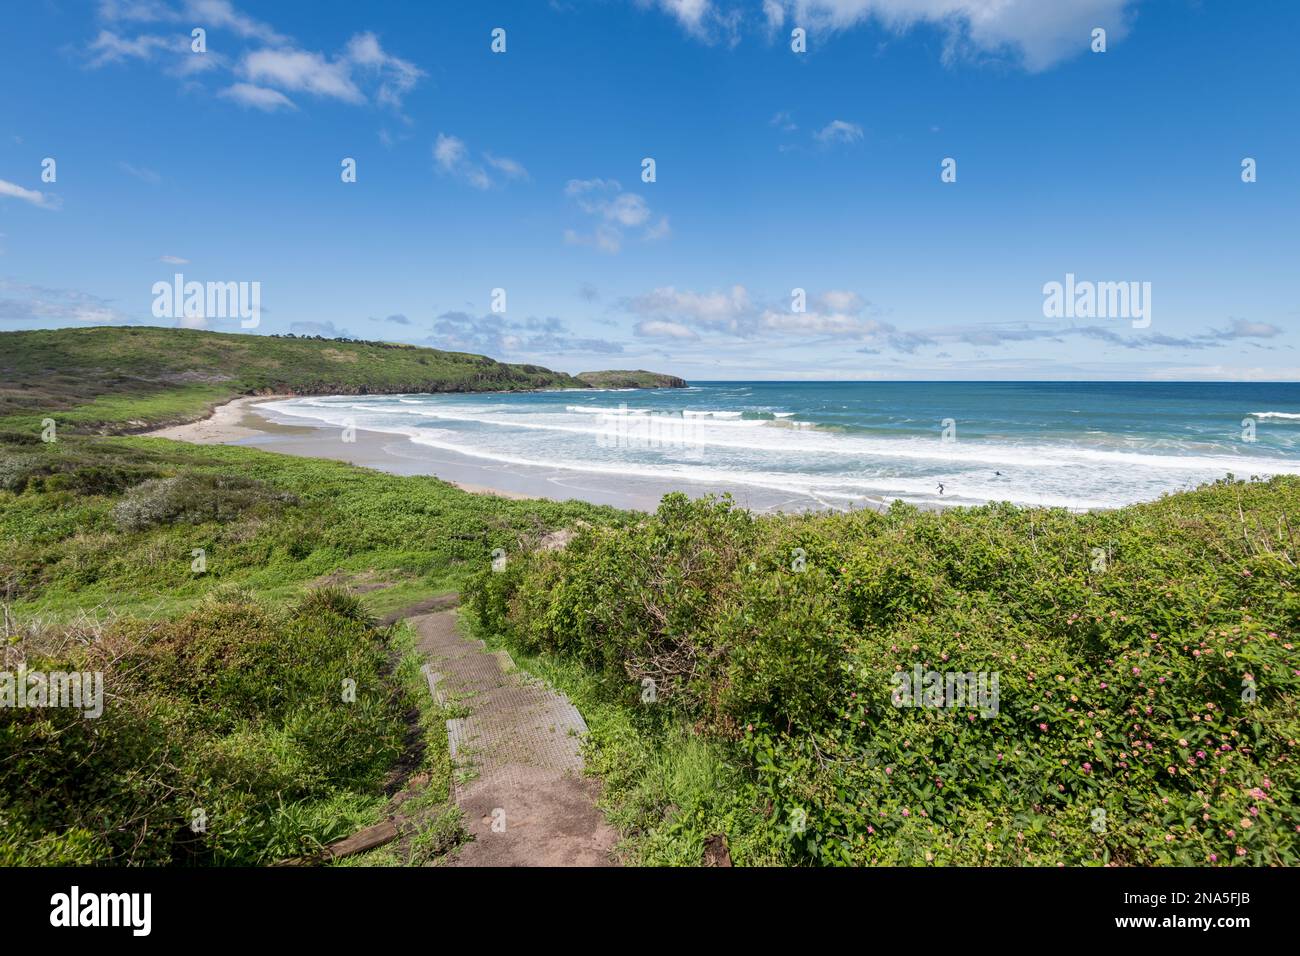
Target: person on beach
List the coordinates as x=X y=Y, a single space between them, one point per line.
x=941 y=487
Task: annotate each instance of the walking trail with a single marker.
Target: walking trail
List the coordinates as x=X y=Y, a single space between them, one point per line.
x=516 y=767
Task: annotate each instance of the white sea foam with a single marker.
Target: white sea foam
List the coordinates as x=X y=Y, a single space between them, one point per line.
x=796 y=457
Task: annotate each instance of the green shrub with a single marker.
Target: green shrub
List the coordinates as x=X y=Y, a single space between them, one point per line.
x=1148 y=680
x=337 y=601
x=193 y=499
x=276 y=728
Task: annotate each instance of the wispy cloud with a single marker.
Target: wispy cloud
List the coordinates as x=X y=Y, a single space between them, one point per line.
x=140 y=173
x=1036 y=34
x=838 y=131
x=494 y=334
x=269 y=68
x=257 y=97
x=452 y=157
x=704 y=20
x=616 y=213
x=33 y=196
x=30 y=303
x=845 y=316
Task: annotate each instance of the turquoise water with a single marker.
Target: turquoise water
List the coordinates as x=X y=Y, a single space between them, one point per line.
x=1070 y=444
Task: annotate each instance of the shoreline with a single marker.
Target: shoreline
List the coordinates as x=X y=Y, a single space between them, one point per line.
x=237 y=422
x=240 y=422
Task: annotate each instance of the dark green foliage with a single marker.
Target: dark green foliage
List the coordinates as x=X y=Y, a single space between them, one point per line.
x=234 y=712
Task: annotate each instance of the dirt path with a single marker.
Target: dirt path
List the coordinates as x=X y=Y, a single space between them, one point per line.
x=517 y=772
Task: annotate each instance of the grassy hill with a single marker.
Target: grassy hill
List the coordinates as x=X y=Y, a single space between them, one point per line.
x=637 y=378
x=124 y=379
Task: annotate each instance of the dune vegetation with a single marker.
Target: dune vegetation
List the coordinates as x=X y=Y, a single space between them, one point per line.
x=1132 y=695
x=1145 y=684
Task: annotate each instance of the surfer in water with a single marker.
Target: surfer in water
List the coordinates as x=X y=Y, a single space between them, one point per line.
x=941 y=487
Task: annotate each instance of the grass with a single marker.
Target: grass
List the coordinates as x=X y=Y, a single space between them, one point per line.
x=115 y=379
x=65 y=550
x=665 y=788
x=98 y=538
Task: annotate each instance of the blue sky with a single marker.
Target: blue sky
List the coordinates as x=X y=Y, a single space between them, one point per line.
x=775 y=171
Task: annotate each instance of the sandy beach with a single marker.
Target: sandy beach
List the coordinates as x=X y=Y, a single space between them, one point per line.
x=241 y=422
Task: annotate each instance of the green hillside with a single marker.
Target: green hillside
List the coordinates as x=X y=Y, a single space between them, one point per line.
x=129 y=378
x=637 y=378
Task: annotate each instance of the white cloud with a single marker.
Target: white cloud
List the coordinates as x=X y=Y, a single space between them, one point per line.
x=33 y=196
x=174 y=260
x=822 y=323
x=220 y=14
x=724 y=311
x=453 y=158
x=270 y=60
x=603 y=237
x=109 y=47
x=449 y=151
x=40 y=304
x=691 y=14
x=209 y=14
x=615 y=210
x=835 y=314
x=784 y=121
x=839 y=131
x=301 y=71
x=258 y=97
x=841 y=300
x=508 y=168
x=1244 y=329
x=1039 y=32
x=774 y=14
x=660 y=230
x=397 y=76
x=657 y=328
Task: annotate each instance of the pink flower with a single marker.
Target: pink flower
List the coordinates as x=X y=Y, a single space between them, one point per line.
x=1042 y=726
x=1087 y=768
x=906 y=812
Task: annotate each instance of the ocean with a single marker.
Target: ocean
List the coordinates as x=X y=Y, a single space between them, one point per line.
x=1078 y=445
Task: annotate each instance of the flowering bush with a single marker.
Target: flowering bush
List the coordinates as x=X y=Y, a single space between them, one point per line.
x=1147 y=677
